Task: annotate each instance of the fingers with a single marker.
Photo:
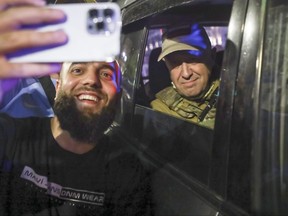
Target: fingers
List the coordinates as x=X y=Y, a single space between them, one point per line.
x=14 y=18
x=14 y=39
x=19 y=70
x=17 y=40
x=6 y=3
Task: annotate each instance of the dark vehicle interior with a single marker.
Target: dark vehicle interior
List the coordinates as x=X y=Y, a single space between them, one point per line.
x=177 y=152
x=240 y=167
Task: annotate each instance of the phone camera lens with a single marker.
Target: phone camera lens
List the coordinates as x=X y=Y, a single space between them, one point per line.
x=93 y=13
x=100 y=26
x=108 y=12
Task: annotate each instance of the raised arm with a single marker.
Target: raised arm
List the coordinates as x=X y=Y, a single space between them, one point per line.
x=13 y=15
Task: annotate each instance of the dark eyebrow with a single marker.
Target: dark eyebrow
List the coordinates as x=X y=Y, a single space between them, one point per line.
x=108 y=66
x=76 y=63
x=102 y=65
x=73 y=63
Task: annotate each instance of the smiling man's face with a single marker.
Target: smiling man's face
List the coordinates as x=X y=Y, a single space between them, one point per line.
x=189 y=74
x=92 y=85
x=86 y=98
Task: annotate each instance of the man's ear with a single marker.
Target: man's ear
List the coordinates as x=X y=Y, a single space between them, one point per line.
x=58 y=82
x=119 y=93
x=57 y=87
x=212 y=60
x=118 y=102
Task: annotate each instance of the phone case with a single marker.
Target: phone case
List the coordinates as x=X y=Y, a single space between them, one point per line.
x=94 y=35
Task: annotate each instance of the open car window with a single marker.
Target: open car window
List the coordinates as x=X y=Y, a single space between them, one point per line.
x=177 y=144
x=155 y=74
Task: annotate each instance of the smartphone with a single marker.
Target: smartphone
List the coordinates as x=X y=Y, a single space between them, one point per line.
x=93 y=31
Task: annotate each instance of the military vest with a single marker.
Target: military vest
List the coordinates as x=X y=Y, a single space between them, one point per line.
x=201 y=111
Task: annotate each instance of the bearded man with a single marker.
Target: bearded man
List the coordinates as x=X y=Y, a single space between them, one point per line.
x=67 y=165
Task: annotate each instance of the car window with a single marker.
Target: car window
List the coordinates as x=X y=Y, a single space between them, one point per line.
x=155 y=75
x=179 y=101
x=180 y=145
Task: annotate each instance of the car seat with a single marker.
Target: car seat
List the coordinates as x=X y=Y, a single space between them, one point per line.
x=159 y=76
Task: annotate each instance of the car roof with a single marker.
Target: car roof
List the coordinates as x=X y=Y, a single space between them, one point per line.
x=138 y=13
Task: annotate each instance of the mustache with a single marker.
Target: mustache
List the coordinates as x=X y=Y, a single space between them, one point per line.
x=89 y=89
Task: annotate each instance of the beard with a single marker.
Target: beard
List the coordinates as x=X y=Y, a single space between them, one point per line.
x=84 y=127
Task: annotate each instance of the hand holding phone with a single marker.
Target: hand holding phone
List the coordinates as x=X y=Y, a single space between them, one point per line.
x=93 y=31
x=14 y=14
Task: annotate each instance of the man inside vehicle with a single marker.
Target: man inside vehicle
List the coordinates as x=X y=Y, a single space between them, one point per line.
x=189 y=57
x=67 y=164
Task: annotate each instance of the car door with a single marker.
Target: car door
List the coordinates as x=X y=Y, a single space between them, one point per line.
x=240 y=167
x=179 y=152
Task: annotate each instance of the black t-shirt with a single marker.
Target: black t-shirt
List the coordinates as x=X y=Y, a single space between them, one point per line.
x=38 y=177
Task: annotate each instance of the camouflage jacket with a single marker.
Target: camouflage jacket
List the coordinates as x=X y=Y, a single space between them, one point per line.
x=201 y=111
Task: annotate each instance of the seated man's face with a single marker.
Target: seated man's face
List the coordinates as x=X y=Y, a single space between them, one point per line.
x=189 y=74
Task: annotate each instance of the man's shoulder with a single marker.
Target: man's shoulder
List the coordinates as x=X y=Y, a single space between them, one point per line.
x=166 y=97
x=166 y=93
x=121 y=150
x=14 y=131
x=23 y=119
x=123 y=164
x=26 y=123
